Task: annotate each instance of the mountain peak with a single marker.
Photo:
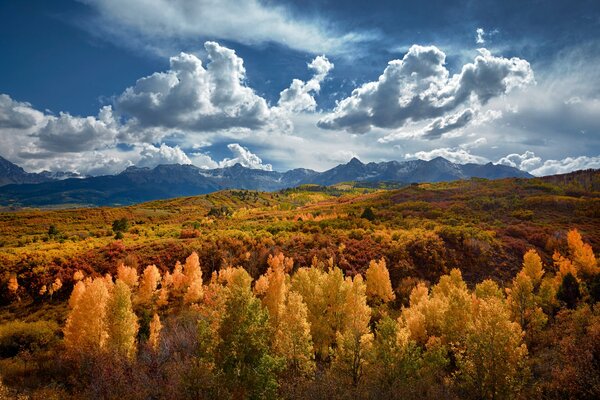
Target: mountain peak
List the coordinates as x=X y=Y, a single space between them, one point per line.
x=355 y=161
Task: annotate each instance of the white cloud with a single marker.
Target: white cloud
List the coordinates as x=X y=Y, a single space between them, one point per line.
x=480 y=33
x=192 y=97
x=569 y=164
x=419 y=87
x=17 y=115
x=245 y=157
x=155 y=23
x=456 y=155
x=300 y=95
x=151 y=156
x=526 y=161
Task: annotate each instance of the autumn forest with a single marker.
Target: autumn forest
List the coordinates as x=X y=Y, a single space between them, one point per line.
x=473 y=289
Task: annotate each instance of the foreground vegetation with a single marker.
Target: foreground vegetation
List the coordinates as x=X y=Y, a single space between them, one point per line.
x=474 y=289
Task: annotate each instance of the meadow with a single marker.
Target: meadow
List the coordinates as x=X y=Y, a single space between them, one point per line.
x=483 y=289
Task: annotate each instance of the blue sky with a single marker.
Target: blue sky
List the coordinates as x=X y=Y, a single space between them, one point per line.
x=94 y=86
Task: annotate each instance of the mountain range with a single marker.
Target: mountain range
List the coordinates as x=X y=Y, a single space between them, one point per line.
x=136 y=184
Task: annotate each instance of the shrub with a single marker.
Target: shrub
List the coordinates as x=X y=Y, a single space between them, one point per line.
x=18 y=336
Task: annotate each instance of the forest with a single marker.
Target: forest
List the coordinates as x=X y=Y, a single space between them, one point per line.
x=474 y=289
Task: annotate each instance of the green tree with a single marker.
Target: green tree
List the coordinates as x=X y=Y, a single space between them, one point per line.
x=243 y=353
x=120 y=225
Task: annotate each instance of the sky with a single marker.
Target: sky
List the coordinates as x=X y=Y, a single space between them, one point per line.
x=96 y=86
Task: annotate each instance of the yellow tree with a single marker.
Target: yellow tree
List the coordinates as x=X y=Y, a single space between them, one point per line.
x=379 y=286
x=276 y=286
x=292 y=338
x=193 y=279
x=148 y=285
x=155 y=328
x=121 y=321
x=492 y=361
x=13 y=284
x=354 y=343
x=325 y=296
x=85 y=330
x=582 y=255
x=128 y=275
x=532 y=267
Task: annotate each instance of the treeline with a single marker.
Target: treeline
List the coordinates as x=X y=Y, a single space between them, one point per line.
x=312 y=332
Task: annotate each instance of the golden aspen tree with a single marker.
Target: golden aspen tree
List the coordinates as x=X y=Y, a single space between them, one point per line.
x=148 y=285
x=155 y=328
x=128 y=275
x=582 y=255
x=178 y=279
x=379 y=286
x=532 y=267
x=43 y=290
x=564 y=267
x=488 y=288
x=292 y=338
x=492 y=362
x=78 y=290
x=451 y=292
x=522 y=300
x=85 y=330
x=355 y=341
x=277 y=287
x=325 y=296
x=261 y=285
x=78 y=275
x=122 y=322
x=193 y=278
x=13 y=284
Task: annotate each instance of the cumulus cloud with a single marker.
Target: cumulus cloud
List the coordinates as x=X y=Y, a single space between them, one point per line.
x=419 y=87
x=190 y=96
x=245 y=157
x=151 y=156
x=68 y=134
x=456 y=155
x=244 y=21
x=17 y=115
x=526 y=161
x=300 y=95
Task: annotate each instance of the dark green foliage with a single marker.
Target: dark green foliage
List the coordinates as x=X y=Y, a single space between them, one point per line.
x=594 y=288
x=569 y=292
x=120 y=225
x=17 y=337
x=52 y=230
x=222 y=211
x=368 y=214
x=243 y=353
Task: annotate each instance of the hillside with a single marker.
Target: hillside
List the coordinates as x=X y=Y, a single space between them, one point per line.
x=423 y=229
x=494 y=255
x=135 y=185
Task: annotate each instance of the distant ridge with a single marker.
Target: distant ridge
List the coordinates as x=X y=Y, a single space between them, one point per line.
x=136 y=184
